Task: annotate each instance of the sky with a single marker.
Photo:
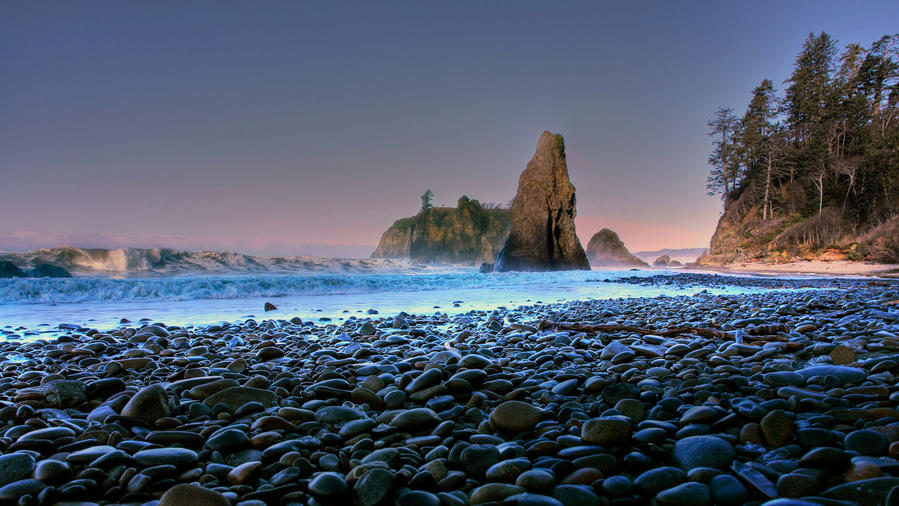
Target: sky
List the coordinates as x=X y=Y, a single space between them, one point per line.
x=292 y=128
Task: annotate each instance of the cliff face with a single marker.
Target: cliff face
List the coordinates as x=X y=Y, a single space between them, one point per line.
x=543 y=237
x=744 y=234
x=467 y=234
x=606 y=249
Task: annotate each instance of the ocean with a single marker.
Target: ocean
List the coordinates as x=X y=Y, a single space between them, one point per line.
x=204 y=288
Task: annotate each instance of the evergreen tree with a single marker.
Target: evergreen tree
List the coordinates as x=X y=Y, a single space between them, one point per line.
x=723 y=158
x=808 y=100
x=761 y=143
x=427 y=199
x=832 y=140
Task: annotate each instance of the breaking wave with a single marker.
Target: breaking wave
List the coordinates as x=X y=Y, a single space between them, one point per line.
x=169 y=262
x=105 y=290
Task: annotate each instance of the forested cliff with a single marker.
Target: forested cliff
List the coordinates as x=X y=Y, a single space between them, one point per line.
x=813 y=172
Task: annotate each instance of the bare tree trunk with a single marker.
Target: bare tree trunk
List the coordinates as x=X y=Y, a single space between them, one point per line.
x=846 y=198
x=724 y=174
x=767 y=190
x=819 y=183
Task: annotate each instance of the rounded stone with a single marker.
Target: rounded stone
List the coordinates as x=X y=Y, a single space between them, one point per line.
x=415 y=419
x=18 y=489
x=703 y=451
x=795 y=485
x=508 y=470
x=631 y=408
x=536 y=480
x=654 y=480
x=180 y=457
x=228 y=440
x=493 y=492
x=575 y=494
x=843 y=374
x=700 y=414
x=825 y=457
x=777 y=427
x=478 y=458
x=337 y=414
x=474 y=361
x=607 y=431
x=417 y=498
x=52 y=471
x=328 y=485
x=14 y=467
x=862 y=470
x=515 y=416
x=617 y=486
x=192 y=495
x=866 y=442
x=269 y=353
x=64 y=393
x=686 y=494
x=243 y=473
x=842 y=355
x=149 y=404
x=424 y=380
x=727 y=490
x=374 y=487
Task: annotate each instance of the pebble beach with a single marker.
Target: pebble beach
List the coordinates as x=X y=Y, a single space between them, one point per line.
x=786 y=397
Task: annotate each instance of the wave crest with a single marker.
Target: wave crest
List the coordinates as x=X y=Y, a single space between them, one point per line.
x=165 y=261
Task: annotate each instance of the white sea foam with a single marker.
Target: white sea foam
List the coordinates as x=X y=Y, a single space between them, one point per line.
x=167 y=262
x=105 y=289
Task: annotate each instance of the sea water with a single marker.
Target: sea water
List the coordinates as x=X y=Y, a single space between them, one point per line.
x=102 y=301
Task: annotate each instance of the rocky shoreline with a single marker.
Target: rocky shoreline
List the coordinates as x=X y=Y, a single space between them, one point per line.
x=691 y=279
x=735 y=399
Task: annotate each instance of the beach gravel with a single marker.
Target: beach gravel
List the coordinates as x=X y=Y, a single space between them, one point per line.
x=782 y=394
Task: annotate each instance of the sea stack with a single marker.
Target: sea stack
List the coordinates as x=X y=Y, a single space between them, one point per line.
x=542 y=237
x=606 y=249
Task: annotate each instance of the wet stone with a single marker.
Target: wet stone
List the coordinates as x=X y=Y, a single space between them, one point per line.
x=149 y=404
x=703 y=451
x=686 y=494
x=192 y=495
x=415 y=419
x=575 y=494
x=328 y=485
x=374 y=487
x=180 y=457
x=866 y=442
x=15 y=466
x=607 y=431
x=515 y=416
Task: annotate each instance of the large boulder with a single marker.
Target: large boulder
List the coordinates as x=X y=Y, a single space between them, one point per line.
x=9 y=270
x=662 y=261
x=605 y=249
x=543 y=237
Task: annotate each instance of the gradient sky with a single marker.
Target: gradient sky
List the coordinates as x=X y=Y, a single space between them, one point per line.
x=309 y=127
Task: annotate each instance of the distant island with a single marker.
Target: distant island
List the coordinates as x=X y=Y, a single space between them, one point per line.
x=812 y=173
x=468 y=233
